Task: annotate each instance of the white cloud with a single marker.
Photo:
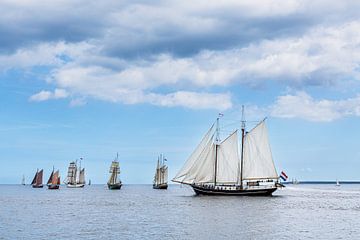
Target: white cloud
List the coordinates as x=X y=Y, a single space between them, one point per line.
x=303 y=106
x=97 y=65
x=47 y=95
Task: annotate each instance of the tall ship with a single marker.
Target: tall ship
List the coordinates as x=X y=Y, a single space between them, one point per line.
x=161 y=174
x=76 y=176
x=218 y=167
x=114 y=182
x=37 y=180
x=54 y=180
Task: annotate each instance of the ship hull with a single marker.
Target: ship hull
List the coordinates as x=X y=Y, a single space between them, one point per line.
x=75 y=185
x=53 y=186
x=160 y=186
x=199 y=190
x=38 y=186
x=116 y=186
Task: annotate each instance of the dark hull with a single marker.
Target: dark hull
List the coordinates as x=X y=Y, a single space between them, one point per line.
x=53 y=187
x=161 y=186
x=114 y=186
x=37 y=186
x=235 y=192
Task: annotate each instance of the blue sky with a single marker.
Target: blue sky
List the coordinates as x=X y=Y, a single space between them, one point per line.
x=89 y=79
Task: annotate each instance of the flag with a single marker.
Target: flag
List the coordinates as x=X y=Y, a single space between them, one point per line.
x=283 y=176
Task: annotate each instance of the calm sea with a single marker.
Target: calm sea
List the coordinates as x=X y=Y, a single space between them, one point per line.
x=139 y=212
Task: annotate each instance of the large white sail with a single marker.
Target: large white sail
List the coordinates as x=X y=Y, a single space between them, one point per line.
x=228 y=160
x=188 y=170
x=257 y=161
x=203 y=170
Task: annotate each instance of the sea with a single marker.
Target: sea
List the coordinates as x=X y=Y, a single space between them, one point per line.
x=319 y=211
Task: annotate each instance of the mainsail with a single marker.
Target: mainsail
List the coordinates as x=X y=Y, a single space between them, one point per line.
x=82 y=176
x=54 y=178
x=37 y=181
x=219 y=163
x=258 y=162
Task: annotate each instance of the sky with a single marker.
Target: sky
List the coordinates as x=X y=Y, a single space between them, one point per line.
x=88 y=79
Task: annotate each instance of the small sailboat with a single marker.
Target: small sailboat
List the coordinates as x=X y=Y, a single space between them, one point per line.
x=38 y=178
x=161 y=174
x=23 y=180
x=114 y=182
x=54 y=180
x=215 y=168
x=295 y=181
x=76 y=176
x=337 y=183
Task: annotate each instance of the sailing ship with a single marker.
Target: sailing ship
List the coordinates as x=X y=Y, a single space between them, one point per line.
x=337 y=183
x=38 y=178
x=54 y=180
x=76 y=176
x=23 y=180
x=161 y=174
x=114 y=182
x=215 y=167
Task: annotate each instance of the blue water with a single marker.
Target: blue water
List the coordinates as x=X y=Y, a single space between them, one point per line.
x=139 y=212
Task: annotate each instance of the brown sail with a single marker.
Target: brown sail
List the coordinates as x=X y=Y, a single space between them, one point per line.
x=54 y=180
x=37 y=181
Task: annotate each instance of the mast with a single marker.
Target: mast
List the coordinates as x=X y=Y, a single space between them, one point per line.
x=217 y=140
x=242 y=145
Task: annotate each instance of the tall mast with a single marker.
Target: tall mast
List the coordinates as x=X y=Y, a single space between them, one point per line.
x=217 y=140
x=242 y=144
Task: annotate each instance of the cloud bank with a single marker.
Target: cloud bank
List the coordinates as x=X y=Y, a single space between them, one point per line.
x=192 y=55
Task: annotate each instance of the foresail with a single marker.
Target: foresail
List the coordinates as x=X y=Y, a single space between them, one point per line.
x=228 y=162
x=203 y=169
x=50 y=178
x=258 y=162
x=194 y=157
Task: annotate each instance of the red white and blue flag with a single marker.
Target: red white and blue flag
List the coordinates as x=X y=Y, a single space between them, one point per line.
x=283 y=176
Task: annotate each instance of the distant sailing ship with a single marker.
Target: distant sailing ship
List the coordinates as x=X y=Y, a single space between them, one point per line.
x=114 y=182
x=161 y=174
x=23 y=180
x=54 y=180
x=76 y=176
x=215 y=168
x=38 y=178
x=337 y=183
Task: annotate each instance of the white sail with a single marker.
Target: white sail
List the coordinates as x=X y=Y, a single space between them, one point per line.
x=114 y=170
x=187 y=171
x=71 y=177
x=165 y=174
x=161 y=173
x=257 y=161
x=202 y=170
x=228 y=162
x=82 y=176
